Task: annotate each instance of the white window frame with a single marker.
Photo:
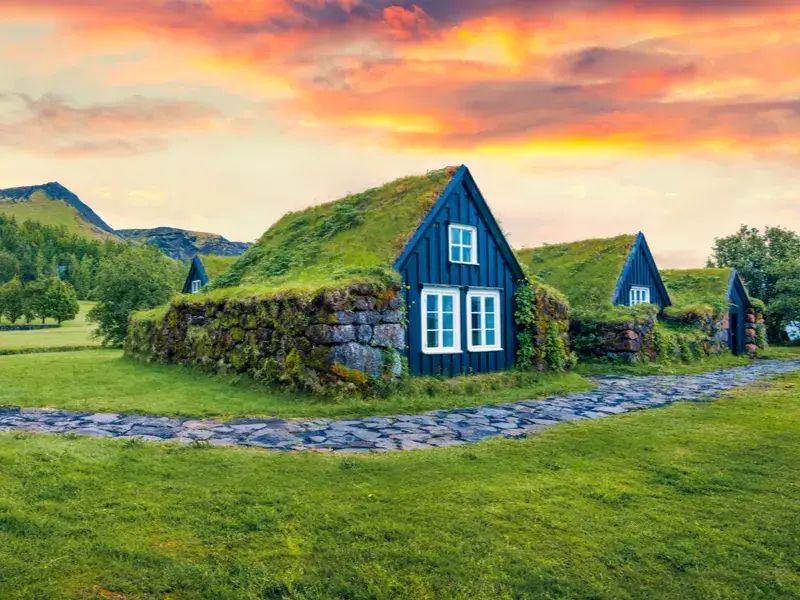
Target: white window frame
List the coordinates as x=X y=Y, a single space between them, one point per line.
x=641 y=290
x=450 y=243
x=441 y=291
x=197 y=285
x=483 y=294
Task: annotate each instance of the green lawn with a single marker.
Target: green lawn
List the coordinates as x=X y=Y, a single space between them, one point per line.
x=694 y=501
x=781 y=352
x=713 y=363
x=104 y=381
x=71 y=334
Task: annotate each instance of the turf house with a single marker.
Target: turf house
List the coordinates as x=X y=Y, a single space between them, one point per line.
x=718 y=300
x=414 y=277
x=203 y=268
x=614 y=288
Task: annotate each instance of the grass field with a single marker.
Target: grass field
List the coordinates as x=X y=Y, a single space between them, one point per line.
x=712 y=363
x=694 y=501
x=104 y=381
x=71 y=334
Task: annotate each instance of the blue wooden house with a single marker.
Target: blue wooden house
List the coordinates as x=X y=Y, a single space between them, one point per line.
x=596 y=273
x=461 y=277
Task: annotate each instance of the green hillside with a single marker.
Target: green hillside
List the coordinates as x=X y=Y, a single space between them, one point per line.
x=40 y=205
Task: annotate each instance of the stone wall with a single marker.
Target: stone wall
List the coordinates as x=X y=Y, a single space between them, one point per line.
x=625 y=340
x=542 y=318
x=648 y=338
x=344 y=339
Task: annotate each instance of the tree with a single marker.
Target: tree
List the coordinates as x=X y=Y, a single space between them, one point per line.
x=11 y=300
x=62 y=301
x=36 y=300
x=764 y=262
x=9 y=267
x=784 y=306
x=137 y=278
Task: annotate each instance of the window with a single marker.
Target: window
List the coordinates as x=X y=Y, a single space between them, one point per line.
x=196 y=285
x=640 y=295
x=464 y=244
x=483 y=324
x=441 y=324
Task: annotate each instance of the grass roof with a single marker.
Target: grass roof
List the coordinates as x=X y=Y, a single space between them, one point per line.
x=586 y=271
x=354 y=239
x=216 y=265
x=692 y=286
x=697 y=291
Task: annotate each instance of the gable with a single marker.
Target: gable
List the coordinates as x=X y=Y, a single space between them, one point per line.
x=640 y=270
x=461 y=203
x=196 y=271
x=737 y=294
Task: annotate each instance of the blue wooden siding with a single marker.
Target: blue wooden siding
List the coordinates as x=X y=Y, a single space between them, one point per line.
x=641 y=270
x=739 y=304
x=196 y=271
x=426 y=263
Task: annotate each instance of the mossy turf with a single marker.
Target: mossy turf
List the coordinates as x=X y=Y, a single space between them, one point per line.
x=104 y=381
x=71 y=334
x=586 y=271
x=694 y=501
x=354 y=239
x=697 y=290
x=216 y=265
x=42 y=208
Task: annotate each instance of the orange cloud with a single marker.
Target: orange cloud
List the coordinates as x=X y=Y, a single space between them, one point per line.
x=667 y=75
x=51 y=125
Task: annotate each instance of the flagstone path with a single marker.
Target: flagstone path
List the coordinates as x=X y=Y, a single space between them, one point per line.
x=614 y=395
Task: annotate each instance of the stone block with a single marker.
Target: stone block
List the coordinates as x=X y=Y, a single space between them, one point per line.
x=364 y=334
x=396 y=302
x=751 y=348
x=320 y=334
x=389 y=336
x=344 y=317
x=750 y=318
x=370 y=317
x=341 y=334
x=630 y=335
x=392 y=316
x=359 y=357
x=365 y=303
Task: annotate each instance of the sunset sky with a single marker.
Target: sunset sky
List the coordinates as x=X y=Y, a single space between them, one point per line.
x=680 y=118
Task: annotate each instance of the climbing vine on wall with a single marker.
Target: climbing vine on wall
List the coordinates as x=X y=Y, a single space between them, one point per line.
x=542 y=319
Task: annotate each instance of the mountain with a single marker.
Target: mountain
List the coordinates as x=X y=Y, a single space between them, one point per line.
x=181 y=244
x=53 y=204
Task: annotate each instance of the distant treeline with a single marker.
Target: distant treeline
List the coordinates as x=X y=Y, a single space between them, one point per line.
x=30 y=251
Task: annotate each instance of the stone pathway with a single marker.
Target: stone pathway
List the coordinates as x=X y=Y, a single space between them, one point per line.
x=614 y=395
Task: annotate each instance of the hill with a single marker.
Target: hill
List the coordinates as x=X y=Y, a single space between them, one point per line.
x=181 y=244
x=53 y=204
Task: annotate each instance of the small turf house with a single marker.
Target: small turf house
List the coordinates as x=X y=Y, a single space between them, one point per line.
x=416 y=272
x=596 y=273
x=718 y=294
x=204 y=268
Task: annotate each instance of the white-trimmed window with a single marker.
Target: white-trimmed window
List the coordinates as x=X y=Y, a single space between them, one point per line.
x=483 y=322
x=463 y=244
x=196 y=285
x=441 y=320
x=639 y=295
